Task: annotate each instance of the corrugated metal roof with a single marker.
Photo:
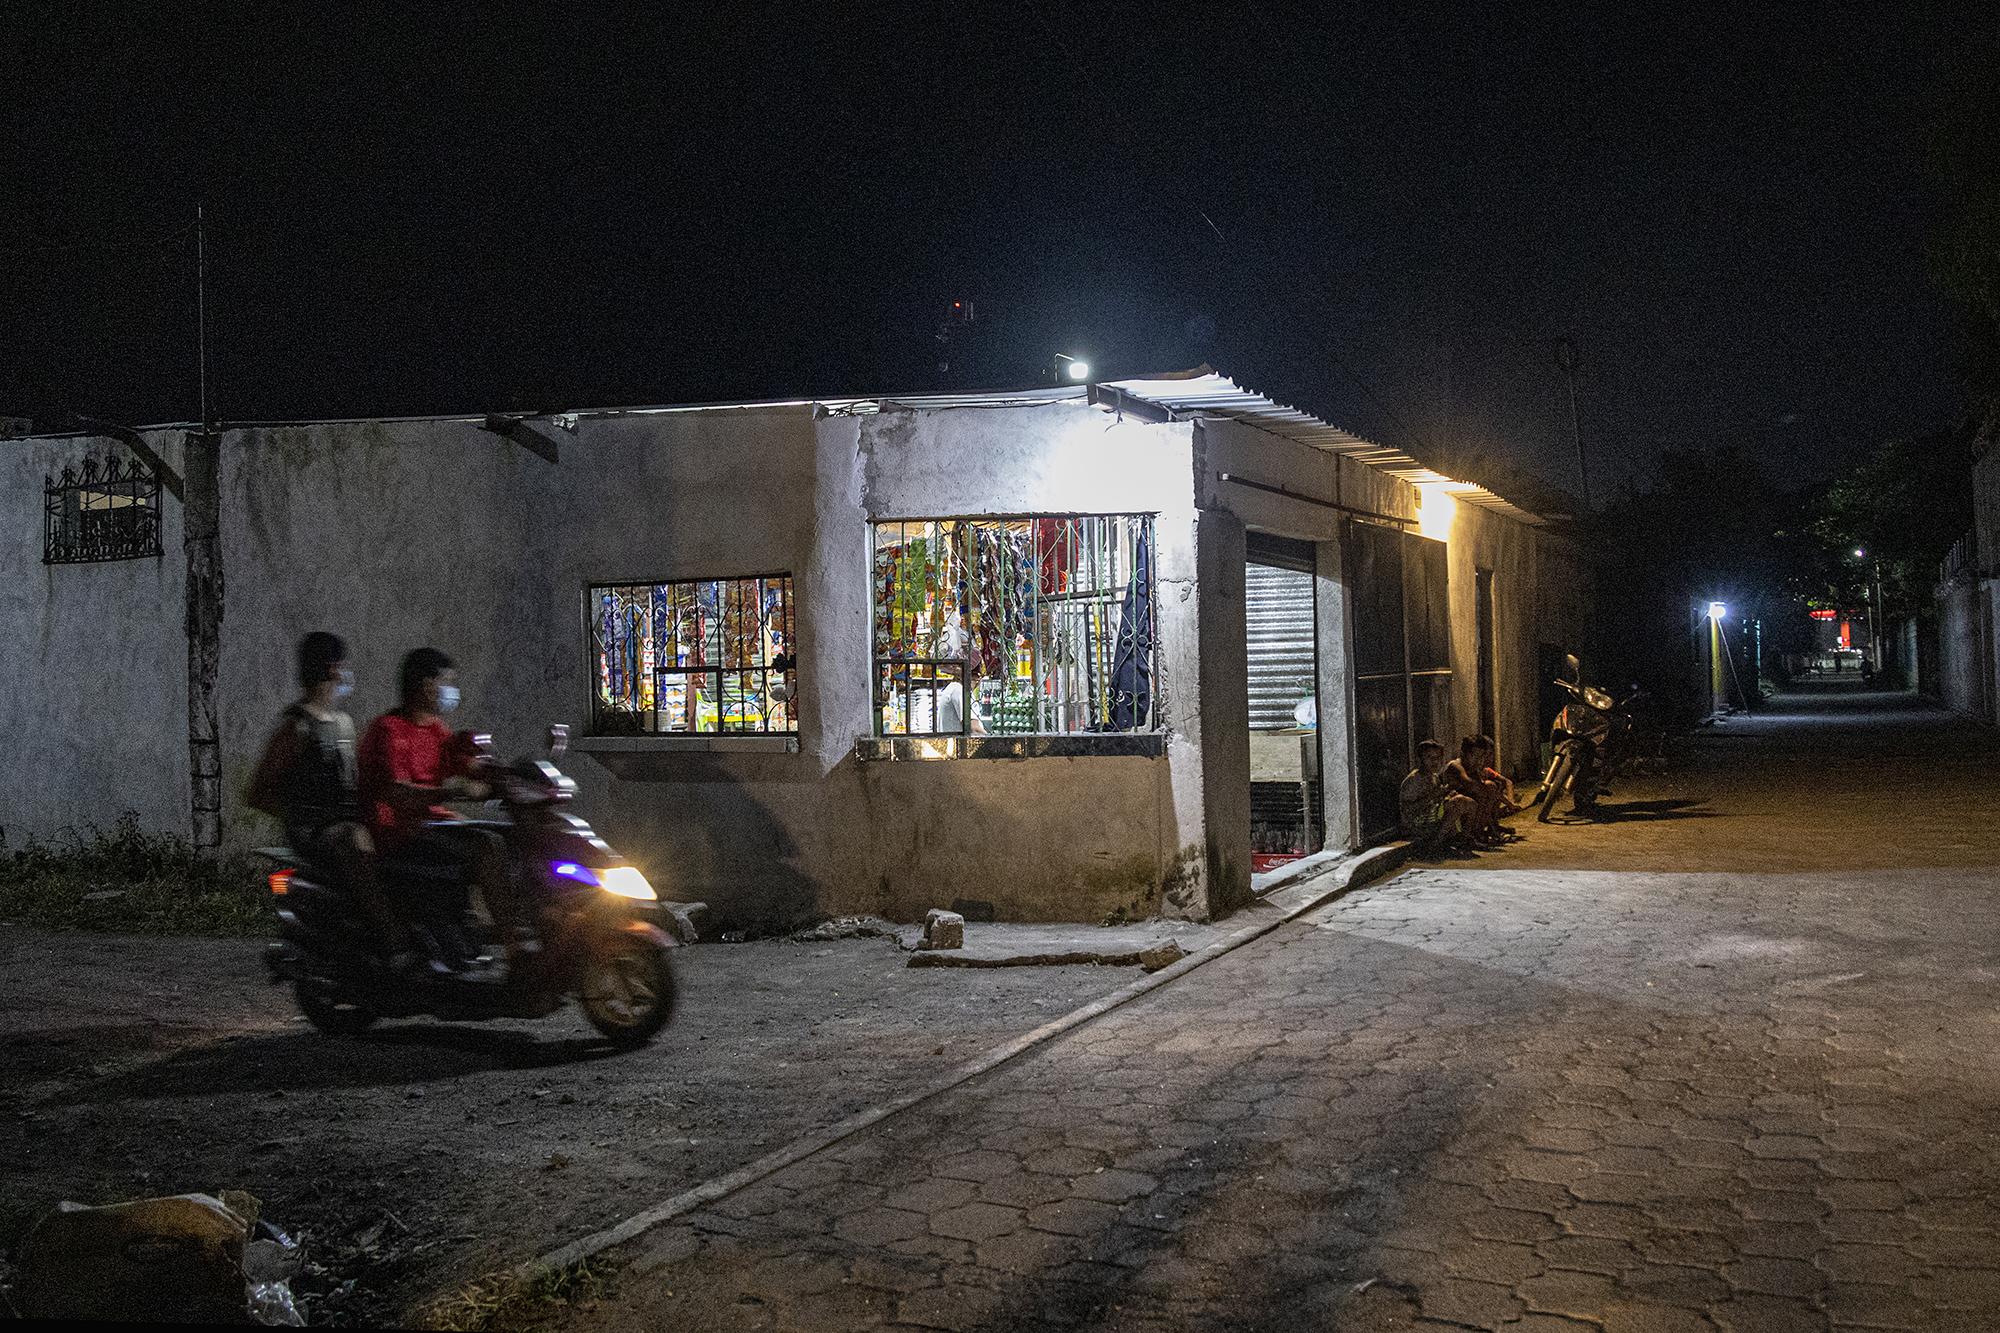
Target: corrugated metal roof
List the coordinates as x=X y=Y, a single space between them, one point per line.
x=1204 y=393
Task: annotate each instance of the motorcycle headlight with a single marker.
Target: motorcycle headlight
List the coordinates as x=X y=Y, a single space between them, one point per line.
x=627 y=882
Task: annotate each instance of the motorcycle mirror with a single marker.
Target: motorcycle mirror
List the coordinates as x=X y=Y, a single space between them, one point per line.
x=1572 y=668
x=558 y=740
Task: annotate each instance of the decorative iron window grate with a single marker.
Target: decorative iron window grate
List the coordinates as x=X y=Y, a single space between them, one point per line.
x=1032 y=625
x=101 y=511
x=703 y=657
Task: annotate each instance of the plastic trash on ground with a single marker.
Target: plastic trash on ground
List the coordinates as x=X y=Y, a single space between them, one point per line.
x=271 y=1259
x=188 y=1258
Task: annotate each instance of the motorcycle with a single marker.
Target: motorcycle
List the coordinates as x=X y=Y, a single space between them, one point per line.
x=597 y=918
x=1585 y=738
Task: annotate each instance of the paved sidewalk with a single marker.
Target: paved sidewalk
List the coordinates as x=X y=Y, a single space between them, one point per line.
x=1748 y=1083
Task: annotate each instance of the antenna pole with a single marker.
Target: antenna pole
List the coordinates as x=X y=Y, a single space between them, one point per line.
x=201 y=307
x=1566 y=361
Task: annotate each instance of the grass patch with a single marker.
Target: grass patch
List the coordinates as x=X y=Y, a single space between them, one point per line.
x=125 y=879
x=503 y=1303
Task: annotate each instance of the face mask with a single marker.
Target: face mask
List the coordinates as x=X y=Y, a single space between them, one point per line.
x=343 y=684
x=447 y=698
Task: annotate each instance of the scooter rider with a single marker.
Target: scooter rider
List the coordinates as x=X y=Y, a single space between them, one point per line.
x=306 y=778
x=409 y=766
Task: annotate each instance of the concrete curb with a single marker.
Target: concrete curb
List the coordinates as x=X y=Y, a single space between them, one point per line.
x=1298 y=898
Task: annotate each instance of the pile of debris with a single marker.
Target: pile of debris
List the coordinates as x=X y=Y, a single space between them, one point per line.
x=184 y=1259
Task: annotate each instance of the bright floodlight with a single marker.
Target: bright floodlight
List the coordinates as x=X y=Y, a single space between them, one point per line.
x=1435 y=510
x=1859 y=553
x=1717 y=610
x=1079 y=370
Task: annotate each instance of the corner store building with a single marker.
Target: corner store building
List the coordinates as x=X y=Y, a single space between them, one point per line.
x=494 y=539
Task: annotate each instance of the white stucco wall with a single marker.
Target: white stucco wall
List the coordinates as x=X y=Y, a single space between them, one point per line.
x=93 y=664
x=1964 y=634
x=399 y=534
x=393 y=536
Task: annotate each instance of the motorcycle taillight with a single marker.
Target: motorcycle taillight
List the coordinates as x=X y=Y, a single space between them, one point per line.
x=280 y=881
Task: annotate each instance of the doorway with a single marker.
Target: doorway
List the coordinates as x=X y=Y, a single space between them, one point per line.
x=1287 y=806
x=1397 y=583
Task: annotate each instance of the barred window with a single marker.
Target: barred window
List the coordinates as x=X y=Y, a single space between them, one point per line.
x=701 y=657
x=1014 y=626
x=101 y=511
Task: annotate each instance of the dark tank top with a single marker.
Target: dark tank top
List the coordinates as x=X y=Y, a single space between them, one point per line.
x=319 y=789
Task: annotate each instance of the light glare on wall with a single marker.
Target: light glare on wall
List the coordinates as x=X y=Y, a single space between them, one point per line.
x=1436 y=509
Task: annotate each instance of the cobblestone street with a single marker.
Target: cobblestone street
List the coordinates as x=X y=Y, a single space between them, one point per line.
x=1730 y=1061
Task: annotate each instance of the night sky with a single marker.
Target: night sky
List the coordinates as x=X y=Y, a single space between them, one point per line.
x=1386 y=215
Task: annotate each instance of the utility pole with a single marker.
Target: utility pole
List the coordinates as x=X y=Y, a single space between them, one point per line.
x=1875 y=617
x=201 y=309
x=1566 y=362
x=201 y=544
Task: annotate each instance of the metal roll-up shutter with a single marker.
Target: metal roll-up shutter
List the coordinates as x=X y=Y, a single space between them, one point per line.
x=1278 y=606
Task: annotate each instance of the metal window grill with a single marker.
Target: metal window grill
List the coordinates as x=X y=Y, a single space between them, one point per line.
x=1014 y=626
x=101 y=511
x=698 y=657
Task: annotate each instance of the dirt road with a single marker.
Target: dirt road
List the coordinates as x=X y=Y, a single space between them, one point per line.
x=427 y=1153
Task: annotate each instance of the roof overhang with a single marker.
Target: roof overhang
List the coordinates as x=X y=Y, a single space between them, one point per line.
x=1196 y=394
x=1205 y=394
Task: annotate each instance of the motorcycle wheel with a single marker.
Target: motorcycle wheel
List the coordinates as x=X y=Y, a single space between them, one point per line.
x=628 y=991
x=1552 y=786
x=335 y=1017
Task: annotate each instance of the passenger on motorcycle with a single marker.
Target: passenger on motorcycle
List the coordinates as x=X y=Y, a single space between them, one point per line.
x=410 y=765
x=306 y=779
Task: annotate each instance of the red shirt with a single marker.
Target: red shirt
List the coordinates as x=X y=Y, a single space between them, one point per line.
x=396 y=750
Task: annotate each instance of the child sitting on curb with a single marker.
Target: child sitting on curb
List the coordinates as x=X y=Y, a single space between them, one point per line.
x=1434 y=817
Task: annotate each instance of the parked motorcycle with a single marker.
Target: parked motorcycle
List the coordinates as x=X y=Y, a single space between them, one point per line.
x=1585 y=738
x=597 y=917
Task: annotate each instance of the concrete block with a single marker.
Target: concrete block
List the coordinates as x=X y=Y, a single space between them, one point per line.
x=943 y=930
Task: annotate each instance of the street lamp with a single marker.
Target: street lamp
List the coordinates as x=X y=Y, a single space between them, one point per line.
x=1073 y=367
x=1873 y=592
x=1718 y=610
